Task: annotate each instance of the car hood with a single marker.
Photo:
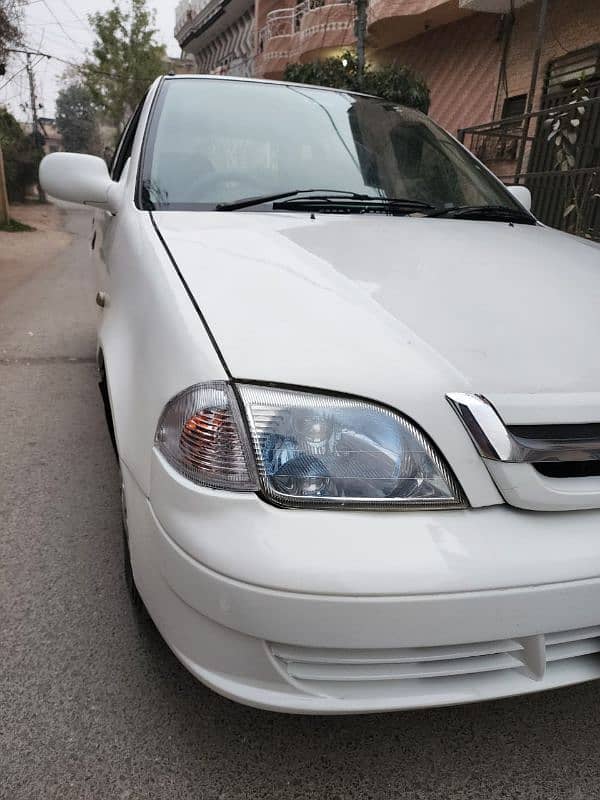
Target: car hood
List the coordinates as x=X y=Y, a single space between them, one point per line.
x=394 y=307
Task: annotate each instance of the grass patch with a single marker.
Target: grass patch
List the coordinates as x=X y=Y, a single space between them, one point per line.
x=14 y=226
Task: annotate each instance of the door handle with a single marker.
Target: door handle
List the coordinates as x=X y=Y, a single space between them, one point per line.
x=102 y=299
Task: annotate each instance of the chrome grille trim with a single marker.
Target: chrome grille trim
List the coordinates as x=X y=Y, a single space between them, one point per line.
x=497 y=442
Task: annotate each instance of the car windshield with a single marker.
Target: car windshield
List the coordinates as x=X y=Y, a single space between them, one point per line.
x=218 y=141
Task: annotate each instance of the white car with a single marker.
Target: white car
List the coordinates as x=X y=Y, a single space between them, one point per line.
x=354 y=388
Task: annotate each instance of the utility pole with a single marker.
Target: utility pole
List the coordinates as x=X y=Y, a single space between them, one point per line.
x=4 y=215
x=535 y=70
x=361 y=37
x=35 y=127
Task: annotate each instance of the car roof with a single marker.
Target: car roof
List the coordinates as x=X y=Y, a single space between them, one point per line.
x=206 y=76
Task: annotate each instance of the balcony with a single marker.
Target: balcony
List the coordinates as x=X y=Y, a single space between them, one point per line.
x=312 y=26
x=185 y=14
x=198 y=22
x=394 y=21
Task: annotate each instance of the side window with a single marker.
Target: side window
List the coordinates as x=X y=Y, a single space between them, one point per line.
x=125 y=144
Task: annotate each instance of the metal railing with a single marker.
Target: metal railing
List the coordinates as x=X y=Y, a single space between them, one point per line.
x=187 y=10
x=521 y=150
x=288 y=21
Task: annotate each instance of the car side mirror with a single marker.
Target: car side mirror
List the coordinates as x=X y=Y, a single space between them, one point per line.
x=522 y=195
x=81 y=179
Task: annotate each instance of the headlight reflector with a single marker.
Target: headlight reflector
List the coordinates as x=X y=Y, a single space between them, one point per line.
x=317 y=450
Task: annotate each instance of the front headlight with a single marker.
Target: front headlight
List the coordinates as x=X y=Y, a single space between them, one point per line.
x=318 y=450
x=310 y=450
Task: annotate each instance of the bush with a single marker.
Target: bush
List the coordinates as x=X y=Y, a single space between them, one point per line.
x=22 y=156
x=398 y=84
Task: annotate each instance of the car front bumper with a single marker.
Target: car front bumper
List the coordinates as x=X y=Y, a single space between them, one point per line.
x=335 y=653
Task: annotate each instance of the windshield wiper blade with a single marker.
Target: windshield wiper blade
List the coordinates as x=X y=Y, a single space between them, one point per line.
x=488 y=213
x=248 y=202
x=403 y=204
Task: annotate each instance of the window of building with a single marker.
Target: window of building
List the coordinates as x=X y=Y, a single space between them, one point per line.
x=567 y=71
x=501 y=144
x=514 y=106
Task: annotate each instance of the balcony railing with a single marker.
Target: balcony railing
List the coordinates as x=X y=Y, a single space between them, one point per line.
x=288 y=21
x=187 y=10
x=521 y=150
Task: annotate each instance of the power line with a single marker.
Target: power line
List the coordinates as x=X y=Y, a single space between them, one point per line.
x=79 y=67
x=57 y=39
x=60 y=25
x=46 y=23
x=12 y=78
x=75 y=14
x=17 y=73
x=52 y=29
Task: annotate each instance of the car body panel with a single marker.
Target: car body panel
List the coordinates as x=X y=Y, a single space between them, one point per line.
x=370 y=552
x=308 y=301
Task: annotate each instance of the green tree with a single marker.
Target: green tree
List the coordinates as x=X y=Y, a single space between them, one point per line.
x=76 y=119
x=396 y=83
x=21 y=156
x=126 y=57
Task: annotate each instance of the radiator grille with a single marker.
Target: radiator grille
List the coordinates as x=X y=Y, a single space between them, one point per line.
x=569 y=469
x=531 y=654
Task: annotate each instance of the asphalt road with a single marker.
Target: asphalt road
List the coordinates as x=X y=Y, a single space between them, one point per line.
x=93 y=706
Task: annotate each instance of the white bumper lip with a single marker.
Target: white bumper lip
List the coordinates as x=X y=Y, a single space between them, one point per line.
x=455 y=691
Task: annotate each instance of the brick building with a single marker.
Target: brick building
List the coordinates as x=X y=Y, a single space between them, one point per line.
x=218 y=34
x=472 y=60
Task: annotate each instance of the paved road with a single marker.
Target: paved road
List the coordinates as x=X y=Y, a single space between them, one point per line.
x=91 y=706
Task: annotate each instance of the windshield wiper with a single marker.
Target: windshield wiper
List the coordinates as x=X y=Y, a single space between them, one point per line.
x=402 y=204
x=489 y=213
x=331 y=197
x=326 y=194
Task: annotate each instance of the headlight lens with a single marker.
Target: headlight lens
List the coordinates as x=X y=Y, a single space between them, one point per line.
x=201 y=434
x=317 y=450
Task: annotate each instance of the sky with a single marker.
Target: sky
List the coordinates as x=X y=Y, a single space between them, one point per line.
x=60 y=28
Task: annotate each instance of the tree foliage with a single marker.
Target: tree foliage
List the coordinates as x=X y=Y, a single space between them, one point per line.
x=10 y=26
x=126 y=57
x=76 y=119
x=396 y=83
x=21 y=156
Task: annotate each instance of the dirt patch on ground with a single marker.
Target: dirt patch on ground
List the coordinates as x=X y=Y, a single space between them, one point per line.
x=23 y=254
